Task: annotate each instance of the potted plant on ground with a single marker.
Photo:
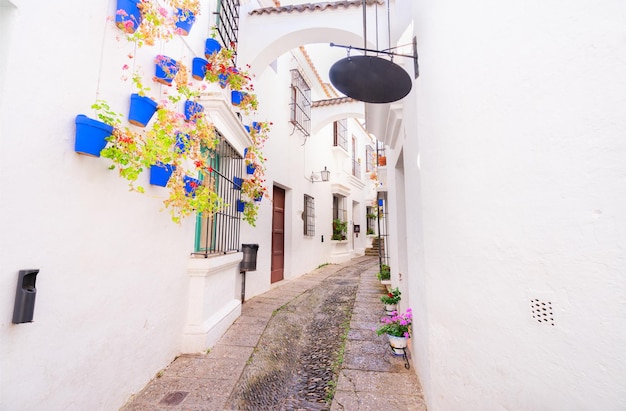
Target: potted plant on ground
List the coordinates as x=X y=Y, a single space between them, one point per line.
x=391 y=300
x=397 y=328
x=384 y=273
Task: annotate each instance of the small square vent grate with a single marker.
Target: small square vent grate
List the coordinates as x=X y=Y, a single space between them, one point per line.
x=542 y=311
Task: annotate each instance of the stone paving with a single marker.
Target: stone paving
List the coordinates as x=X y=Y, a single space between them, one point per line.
x=279 y=354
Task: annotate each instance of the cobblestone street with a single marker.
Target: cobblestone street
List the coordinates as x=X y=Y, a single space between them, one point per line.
x=283 y=352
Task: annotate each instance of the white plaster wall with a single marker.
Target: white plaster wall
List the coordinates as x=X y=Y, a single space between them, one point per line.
x=520 y=121
x=108 y=314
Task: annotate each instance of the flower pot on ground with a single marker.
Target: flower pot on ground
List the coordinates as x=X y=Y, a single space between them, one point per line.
x=198 y=68
x=160 y=174
x=398 y=344
x=91 y=135
x=142 y=108
x=398 y=325
x=192 y=110
x=211 y=46
x=128 y=15
x=384 y=273
x=390 y=309
x=184 y=21
x=165 y=70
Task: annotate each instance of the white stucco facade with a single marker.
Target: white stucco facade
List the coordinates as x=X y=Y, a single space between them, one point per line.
x=505 y=175
x=119 y=295
x=506 y=185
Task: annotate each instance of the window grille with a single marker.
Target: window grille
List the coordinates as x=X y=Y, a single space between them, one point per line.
x=369 y=158
x=340 y=134
x=219 y=233
x=300 y=103
x=339 y=208
x=228 y=24
x=309 y=215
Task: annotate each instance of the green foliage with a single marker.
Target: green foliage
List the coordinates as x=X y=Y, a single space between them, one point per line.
x=339 y=229
x=392 y=297
x=384 y=273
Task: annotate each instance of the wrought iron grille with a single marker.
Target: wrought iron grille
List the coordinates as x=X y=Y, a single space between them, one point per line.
x=340 y=134
x=219 y=233
x=300 y=103
x=228 y=24
x=309 y=215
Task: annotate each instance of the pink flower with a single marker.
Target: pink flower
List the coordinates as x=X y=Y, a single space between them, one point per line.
x=406 y=335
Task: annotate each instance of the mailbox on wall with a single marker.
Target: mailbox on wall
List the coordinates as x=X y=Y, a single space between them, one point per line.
x=24 y=307
x=357 y=228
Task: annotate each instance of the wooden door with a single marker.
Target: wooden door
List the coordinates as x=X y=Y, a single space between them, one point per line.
x=278 y=235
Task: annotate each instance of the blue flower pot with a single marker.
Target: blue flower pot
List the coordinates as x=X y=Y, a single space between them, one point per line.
x=91 y=135
x=184 y=21
x=211 y=46
x=198 y=68
x=142 y=108
x=222 y=80
x=259 y=198
x=236 y=97
x=127 y=15
x=250 y=168
x=160 y=174
x=190 y=185
x=165 y=70
x=192 y=109
x=241 y=206
x=237 y=182
x=182 y=141
x=256 y=126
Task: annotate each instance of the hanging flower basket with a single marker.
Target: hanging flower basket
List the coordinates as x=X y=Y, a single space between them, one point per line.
x=236 y=97
x=192 y=109
x=127 y=15
x=250 y=168
x=241 y=205
x=211 y=46
x=237 y=182
x=160 y=174
x=165 y=70
x=185 y=19
x=190 y=185
x=91 y=135
x=142 y=108
x=198 y=68
x=222 y=80
x=182 y=143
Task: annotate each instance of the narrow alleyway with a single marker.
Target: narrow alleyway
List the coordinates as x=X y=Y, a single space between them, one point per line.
x=282 y=353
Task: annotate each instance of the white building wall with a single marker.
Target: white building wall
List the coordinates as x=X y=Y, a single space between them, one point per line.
x=112 y=290
x=514 y=154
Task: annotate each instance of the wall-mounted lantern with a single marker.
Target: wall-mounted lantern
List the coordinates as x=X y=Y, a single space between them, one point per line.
x=324 y=175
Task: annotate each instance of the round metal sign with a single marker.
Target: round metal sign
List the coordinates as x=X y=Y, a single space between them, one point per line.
x=370 y=79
